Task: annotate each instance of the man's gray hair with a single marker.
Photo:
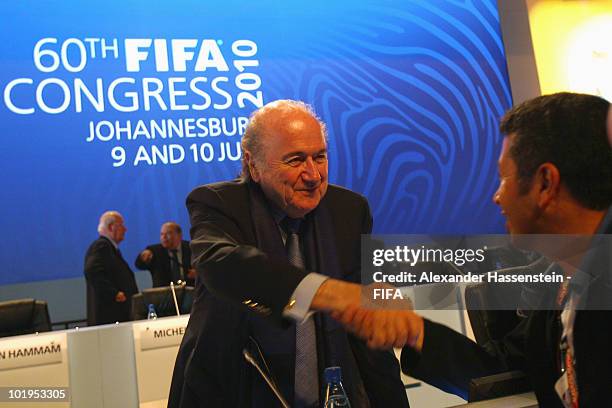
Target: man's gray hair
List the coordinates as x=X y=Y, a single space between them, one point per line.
x=106 y=219
x=251 y=140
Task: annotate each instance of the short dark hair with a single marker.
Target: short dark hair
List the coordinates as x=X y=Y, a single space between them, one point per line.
x=569 y=131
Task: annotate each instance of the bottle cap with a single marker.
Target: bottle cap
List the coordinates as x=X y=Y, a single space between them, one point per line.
x=333 y=374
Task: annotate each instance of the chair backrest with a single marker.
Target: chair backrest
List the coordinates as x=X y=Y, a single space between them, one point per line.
x=488 y=325
x=483 y=302
x=492 y=307
x=23 y=316
x=493 y=312
x=161 y=298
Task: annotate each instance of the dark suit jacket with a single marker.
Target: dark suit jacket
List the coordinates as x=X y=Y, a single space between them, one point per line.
x=239 y=256
x=449 y=360
x=161 y=272
x=107 y=273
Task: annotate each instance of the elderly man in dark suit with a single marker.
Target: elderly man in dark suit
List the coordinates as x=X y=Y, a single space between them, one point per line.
x=170 y=260
x=262 y=247
x=555 y=174
x=110 y=281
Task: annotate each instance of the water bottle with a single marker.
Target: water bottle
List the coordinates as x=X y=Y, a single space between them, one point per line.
x=335 y=396
x=152 y=315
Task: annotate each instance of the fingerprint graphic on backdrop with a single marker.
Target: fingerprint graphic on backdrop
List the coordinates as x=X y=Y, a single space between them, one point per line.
x=412 y=95
x=411 y=90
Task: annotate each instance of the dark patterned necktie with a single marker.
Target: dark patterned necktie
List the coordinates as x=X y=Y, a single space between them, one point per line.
x=306 y=371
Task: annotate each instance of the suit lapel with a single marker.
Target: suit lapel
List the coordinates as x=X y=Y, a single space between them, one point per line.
x=267 y=234
x=323 y=242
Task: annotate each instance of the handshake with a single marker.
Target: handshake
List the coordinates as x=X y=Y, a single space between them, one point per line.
x=382 y=324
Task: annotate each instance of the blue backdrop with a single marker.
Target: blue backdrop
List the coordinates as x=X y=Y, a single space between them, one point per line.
x=130 y=105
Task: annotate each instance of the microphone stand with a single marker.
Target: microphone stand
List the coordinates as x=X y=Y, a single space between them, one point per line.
x=178 y=312
x=249 y=357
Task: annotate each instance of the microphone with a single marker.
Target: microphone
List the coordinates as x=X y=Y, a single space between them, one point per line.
x=251 y=360
x=178 y=312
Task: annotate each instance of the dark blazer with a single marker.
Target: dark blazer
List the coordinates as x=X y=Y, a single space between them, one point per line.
x=239 y=256
x=161 y=272
x=449 y=360
x=107 y=273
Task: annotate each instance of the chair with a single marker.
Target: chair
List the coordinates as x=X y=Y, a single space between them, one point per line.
x=491 y=325
x=488 y=322
x=498 y=385
x=161 y=298
x=23 y=316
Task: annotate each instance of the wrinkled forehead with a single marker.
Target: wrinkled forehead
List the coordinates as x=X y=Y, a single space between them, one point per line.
x=289 y=120
x=294 y=130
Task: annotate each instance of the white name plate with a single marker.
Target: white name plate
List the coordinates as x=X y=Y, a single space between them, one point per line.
x=165 y=332
x=32 y=351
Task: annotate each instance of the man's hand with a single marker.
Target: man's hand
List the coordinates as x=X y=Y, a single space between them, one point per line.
x=120 y=297
x=336 y=295
x=383 y=324
x=146 y=256
x=382 y=328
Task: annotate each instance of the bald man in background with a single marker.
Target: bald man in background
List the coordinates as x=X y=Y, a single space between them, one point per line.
x=170 y=260
x=110 y=281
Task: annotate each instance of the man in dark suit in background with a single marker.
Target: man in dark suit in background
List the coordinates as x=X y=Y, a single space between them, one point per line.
x=170 y=260
x=110 y=281
x=256 y=242
x=555 y=174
